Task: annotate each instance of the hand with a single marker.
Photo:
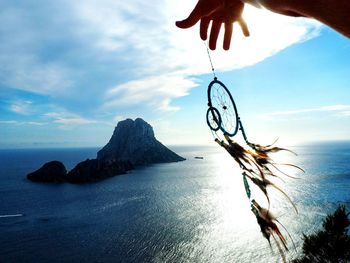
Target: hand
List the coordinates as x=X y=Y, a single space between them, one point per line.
x=280 y=7
x=217 y=11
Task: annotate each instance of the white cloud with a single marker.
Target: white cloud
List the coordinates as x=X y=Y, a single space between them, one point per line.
x=166 y=52
x=345 y=113
x=21 y=107
x=105 y=22
x=25 y=50
x=73 y=121
x=35 y=123
x=155 y=91
x=270 y=33
x=8 y=122
x=135 y=42
x=58 y=116
x=67 y=119
x=339 y=110
x=336 y=108
x=28 y=73
x=14 y=122
x=118 y=118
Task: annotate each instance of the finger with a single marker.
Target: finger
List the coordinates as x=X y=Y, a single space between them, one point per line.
x=228 y=35
x=192 y=19
x=292 y=13
x=244 y=27
x=214 y=33
x=203 y=29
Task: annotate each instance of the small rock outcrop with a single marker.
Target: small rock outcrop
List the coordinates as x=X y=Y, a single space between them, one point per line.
x=134 y=141
x=92 y=170
x=50 y=172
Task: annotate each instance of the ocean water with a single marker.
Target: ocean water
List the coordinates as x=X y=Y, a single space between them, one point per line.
x=191 y=211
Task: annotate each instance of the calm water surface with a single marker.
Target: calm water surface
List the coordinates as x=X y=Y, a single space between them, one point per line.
x=192 y=211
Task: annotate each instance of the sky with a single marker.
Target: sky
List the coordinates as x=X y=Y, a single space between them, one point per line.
x=70 y=70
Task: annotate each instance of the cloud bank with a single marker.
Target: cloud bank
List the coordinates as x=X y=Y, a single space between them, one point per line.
x=110 y=54
x=335 y=110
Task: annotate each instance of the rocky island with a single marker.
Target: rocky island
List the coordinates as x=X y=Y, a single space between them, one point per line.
x=132 y=144
x=50 y=172
x=134 y=141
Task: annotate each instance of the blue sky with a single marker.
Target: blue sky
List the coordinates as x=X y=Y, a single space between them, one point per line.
x=70 y=70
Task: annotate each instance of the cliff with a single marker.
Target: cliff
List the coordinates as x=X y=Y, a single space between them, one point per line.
x=134 y=141
x=92 y=170
x=50 y=172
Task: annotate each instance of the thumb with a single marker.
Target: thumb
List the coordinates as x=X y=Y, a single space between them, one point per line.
x=244 y=27
x=191 y=20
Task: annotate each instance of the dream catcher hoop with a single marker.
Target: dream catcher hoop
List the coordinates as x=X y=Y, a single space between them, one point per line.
x=254 y=160
x=222 y=108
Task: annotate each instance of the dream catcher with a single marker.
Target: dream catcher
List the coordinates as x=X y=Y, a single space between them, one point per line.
x=254 y=160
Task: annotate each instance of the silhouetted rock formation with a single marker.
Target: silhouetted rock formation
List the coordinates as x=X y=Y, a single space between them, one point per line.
x=51 y=172
x=134 y=141
x=95 y=170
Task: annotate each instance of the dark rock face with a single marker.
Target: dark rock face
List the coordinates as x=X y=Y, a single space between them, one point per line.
x=134 y=141
x=51 y=172
x=95 y=170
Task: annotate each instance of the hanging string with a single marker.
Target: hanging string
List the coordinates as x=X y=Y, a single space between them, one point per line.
x=211 y=62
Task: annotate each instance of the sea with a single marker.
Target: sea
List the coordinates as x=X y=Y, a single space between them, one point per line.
x=190 y=211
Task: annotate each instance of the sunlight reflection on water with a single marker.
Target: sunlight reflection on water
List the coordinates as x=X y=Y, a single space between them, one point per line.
x=230 y=232
x=192 y=211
